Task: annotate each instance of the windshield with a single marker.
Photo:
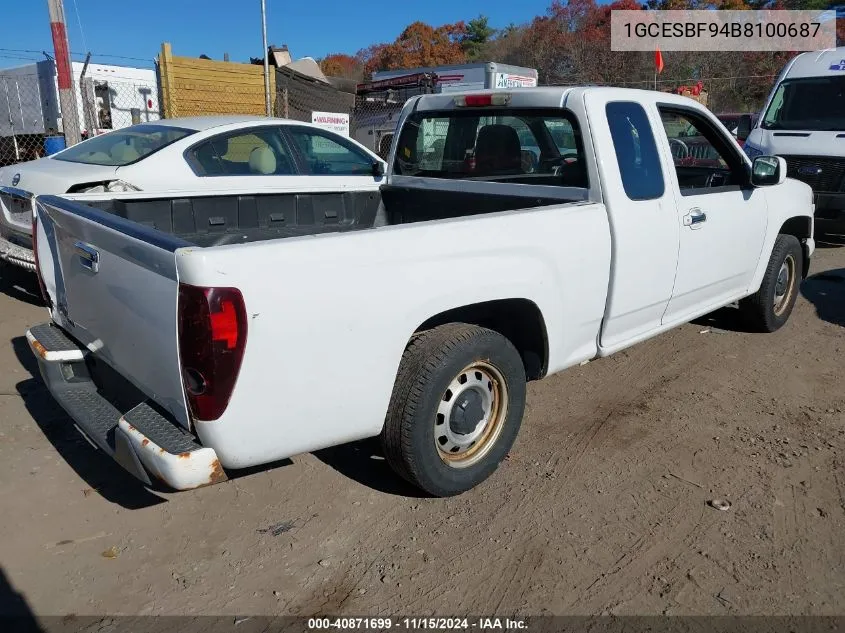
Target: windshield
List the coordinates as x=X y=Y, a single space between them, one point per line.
x=814 y=103
x=125 y=146
x=505 y=145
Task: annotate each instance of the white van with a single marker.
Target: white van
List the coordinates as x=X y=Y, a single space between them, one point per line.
x=804 y=122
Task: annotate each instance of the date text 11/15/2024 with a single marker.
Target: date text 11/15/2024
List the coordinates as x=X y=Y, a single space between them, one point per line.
x=411 y=624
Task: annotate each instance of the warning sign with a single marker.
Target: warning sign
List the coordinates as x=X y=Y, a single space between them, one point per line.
x=334 y=121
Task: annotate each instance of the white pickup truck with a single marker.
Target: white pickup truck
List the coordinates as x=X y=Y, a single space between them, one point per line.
x=517 y=234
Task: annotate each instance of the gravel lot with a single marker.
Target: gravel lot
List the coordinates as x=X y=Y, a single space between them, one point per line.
x=601 y=507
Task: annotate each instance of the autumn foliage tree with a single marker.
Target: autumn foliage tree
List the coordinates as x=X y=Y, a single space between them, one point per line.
x=420 y=44
x=570 y=44
x=342 y=65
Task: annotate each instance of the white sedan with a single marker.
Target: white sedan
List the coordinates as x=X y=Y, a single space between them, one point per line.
x=197 y=154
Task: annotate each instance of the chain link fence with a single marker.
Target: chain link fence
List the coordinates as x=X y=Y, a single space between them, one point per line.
x=33 y=123
x=373 y=123
x=377 y=108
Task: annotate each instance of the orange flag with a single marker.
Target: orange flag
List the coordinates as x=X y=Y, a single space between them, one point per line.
x=658 y=60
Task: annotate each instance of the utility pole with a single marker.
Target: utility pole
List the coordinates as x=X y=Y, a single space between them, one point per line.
x=67 y=100
x=266 y=59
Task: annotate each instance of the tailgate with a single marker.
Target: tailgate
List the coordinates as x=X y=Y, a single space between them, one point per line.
x=112 y=286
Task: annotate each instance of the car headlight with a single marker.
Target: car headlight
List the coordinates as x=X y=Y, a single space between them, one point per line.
x=752 y=152
x=112 y=186
x=121 y=186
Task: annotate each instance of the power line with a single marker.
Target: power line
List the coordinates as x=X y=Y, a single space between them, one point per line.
x=81 y=30
x=18 y=50
x=31 y=59
x=137 y=59
x=108 y=55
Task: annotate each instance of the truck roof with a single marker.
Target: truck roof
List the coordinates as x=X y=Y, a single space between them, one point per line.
x=548 y=97
x=827 y=62
x=384 y=74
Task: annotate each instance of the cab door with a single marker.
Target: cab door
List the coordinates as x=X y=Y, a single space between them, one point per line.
x=721 y=218
x=642 y=217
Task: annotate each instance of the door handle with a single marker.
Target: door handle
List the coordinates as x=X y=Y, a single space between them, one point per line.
x=694 y=218
x=89 y=256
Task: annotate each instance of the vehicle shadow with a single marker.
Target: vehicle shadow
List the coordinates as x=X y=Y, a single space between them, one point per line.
x=728 y=319
x=826 y=291
x=15 y=613
x=364 y=462
x=20 y=284
x=829 y=238
x=99 y=471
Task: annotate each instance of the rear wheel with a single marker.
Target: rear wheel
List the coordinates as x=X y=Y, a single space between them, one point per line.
x=769 y=308
x=456 y=408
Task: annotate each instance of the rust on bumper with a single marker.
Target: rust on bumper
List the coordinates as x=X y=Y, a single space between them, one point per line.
x=183 y=471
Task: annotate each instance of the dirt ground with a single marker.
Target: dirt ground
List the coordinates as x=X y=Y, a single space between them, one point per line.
x=600 y=508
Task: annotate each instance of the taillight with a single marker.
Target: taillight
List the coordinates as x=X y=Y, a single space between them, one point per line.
x=212 y=339
x=475 y=101
x=41 y=285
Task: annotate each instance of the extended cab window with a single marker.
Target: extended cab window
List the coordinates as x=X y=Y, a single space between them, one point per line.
x=636 y=151
x=539 y=147
x=704 y=158
x=256 y=152
x=328 y=155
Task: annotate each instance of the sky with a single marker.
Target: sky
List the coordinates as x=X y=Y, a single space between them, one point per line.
x=310 y=28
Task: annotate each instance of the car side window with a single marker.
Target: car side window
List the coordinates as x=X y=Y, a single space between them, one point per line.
x=326 y=155
x=700 y=154
x=689 y=146
x=636 y=150
x=259 y=152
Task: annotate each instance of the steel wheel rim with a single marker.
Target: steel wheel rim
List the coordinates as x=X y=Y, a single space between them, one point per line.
x=784 y=285
x=482 y=385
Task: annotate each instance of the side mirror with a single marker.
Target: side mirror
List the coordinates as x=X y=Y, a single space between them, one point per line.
x=768 y=170
x=378 y=169
x=744 y=127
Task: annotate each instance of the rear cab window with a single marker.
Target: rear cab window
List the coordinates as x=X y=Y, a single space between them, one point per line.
x=507 y=145
x=636 y=150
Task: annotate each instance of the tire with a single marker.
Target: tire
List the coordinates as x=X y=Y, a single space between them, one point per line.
x=456 y=408
x=769 y=308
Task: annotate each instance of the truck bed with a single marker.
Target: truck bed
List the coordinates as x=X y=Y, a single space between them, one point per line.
x=214 y=220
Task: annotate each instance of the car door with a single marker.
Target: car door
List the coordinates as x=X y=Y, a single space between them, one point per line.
x=253 y=158
x=642 y=218
x=332 y=160
x=266 y=158
x=722 y=219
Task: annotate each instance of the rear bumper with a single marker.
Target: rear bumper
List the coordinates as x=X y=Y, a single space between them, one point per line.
x=13 y=252
x=140 y=439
